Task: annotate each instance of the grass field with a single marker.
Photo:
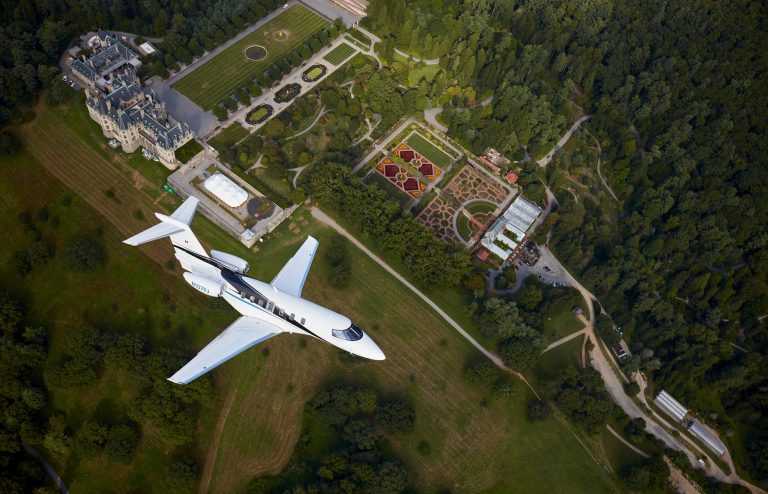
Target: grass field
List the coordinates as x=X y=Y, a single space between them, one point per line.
x=230 y=69
x=429 y=150
x=617 y=452
x=551 y=364
x=559 y=319
x=188 y=151
x=254 y=422
x=339 y=54
x=228 y=137
x=427 y=71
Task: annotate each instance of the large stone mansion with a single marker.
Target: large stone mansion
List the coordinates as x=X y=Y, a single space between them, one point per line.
x=127 y=112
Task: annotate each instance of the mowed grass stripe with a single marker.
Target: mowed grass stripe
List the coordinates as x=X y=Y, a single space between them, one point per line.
x=340 y=53
x=223 y=74
x=429 y=150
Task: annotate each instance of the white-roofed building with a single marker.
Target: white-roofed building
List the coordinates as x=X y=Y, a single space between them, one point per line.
x=701 y=433
x=509 y=230
x=671 y=406
x=226 y=190
x=146 y=48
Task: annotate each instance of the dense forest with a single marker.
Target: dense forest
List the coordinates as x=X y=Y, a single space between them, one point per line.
x=34 y=33
x=678 y=98
x=343 y=446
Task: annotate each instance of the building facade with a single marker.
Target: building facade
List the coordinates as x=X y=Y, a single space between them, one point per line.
x=127 y=112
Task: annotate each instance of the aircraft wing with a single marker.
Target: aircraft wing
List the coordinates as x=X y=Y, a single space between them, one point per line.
x=238 y=337
x=291 y=278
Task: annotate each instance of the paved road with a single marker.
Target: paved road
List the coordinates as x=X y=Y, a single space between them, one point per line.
x=48 y=469
x=327 y=220
x=654 y=424
x=548 y=157
x=433 y=61
x=599 y=162
x=430 y=115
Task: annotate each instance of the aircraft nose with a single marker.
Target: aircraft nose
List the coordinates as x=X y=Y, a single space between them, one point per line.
x=371 y=350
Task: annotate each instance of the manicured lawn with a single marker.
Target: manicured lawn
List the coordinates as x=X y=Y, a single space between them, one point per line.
x=228 y=138
x=560 y=320
x=188 y=151
x=427 y=71
x=340 y=54
x=230 y=69
x=315 y=73
x=359 y=36
x=429 y=150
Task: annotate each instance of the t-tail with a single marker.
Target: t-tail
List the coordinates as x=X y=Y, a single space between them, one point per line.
x=175 y=226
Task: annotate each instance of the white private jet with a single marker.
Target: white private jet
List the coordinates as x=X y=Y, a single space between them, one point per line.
x=267 y=308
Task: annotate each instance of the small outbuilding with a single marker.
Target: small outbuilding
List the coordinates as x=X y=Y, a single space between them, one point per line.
x=226 y=190
x=147 y=48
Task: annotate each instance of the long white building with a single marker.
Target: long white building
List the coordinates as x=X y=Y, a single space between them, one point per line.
x=671 y=406
x=701 y=433
x=509 y=230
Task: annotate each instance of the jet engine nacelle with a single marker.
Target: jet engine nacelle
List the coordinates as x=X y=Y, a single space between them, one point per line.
x=233 y=262
x=210 y=287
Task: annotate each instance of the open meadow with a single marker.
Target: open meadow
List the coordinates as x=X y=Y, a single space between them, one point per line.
x=252 y=425
x=230 y=69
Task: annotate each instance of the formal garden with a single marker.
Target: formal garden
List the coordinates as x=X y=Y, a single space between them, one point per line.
x=463 y=209
x=287 y=92
x=314 y=72
x=408 y=170
x=259 y=113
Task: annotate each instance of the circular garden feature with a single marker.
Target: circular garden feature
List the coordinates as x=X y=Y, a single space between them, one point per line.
x=287 y=92
x=473 y=218
x=314 y=73
x=255 y=53
x=258 y=114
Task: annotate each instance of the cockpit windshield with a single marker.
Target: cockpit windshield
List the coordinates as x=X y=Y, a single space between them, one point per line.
x=352 y=333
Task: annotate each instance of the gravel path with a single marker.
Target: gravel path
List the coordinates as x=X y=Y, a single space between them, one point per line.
x=48 y=469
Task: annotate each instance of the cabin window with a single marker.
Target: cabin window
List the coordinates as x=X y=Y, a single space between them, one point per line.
x=352 y=333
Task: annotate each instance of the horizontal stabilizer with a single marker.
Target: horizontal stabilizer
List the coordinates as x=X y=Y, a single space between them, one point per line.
x=240 y=336
x=158 y=231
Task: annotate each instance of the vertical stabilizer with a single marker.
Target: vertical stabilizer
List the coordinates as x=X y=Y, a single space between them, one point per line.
x=175 y=226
